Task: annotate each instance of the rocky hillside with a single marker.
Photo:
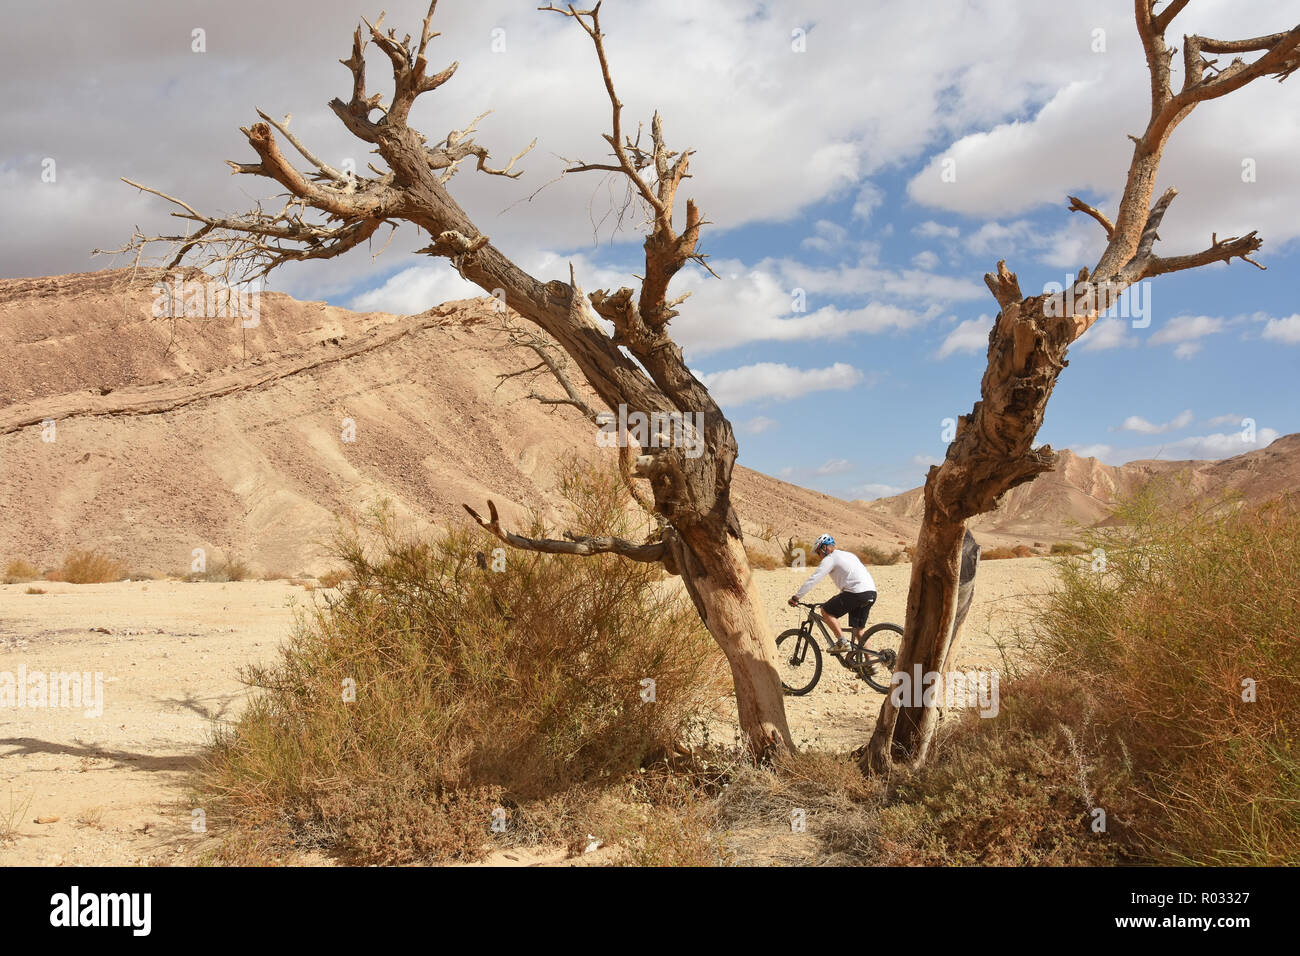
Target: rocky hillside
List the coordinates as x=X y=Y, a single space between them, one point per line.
x=173 y=434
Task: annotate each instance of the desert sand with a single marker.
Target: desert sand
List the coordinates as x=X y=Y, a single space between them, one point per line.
x=171 y=653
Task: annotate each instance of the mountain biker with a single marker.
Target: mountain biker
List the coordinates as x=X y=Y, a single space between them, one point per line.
x=857 y=590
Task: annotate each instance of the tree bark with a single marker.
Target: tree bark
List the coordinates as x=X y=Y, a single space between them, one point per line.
x=903 y=734
x=721 y=584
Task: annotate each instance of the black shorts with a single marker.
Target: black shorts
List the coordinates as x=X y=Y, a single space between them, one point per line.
x=856 y=605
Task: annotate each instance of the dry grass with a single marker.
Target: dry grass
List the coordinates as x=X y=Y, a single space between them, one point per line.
x=761 y=560
x=1131 y=706
x=34 y=590
x=522 y=689
x=1002 y=554
x=800 y=551
x=12 y=816
x=1195 y=613
x=332 y=579
x=88 y=567
x=871 y=555
x=1067 y=548
x=20 y=572
x=230 y=568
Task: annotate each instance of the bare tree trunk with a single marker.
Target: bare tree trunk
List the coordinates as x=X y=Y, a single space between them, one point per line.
x=722 y=586
x=993 y=450
x=903 y=733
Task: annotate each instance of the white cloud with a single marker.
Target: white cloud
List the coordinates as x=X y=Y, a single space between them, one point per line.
x=835 y=466
x=933 y=230
x=1135 y=423
x=1075 y=143
x=1194 y=448
x=758 y=424
x=925 y=461
x=775 y=381
x=413 y=290
x=1213 y=446
x=828 y=236
x=757 y=304
x=999 y=239
x=1108 y=334
x=869 y=198
x=1224 y=420
x=971 y=336
x=925 y=259
x=1283 y=330
x=1100 y=451
x=1184 y=332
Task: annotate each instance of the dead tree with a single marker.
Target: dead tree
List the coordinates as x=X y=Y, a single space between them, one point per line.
x=328 y=212
x=993 y=448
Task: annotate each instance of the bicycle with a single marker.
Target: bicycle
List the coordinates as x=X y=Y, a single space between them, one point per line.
x=875 y=665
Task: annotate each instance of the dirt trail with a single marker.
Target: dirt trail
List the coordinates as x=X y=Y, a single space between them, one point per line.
x=170 y=655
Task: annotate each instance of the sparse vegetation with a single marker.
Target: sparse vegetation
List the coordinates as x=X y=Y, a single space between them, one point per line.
x=11 y=817
x=333 y=578
x=797 y=548
x=430 y=692
x=34 y=590
x=1068 y=548
x=1002 y=554
x=761 y=560
x=230 y=568
x=1163 y=690
x=88 y=567
x=20 y=571
x=870 y=554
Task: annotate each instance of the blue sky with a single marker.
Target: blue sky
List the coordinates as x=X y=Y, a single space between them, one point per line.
x=822 y=132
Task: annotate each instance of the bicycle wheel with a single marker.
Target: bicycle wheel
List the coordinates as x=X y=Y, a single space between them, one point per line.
x=798 y=661
x=876 y=664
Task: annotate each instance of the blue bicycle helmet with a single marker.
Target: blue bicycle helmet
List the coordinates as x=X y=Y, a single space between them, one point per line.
x=825 y=541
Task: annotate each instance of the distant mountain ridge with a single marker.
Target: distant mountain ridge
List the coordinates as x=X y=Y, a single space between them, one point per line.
x=1082 y=492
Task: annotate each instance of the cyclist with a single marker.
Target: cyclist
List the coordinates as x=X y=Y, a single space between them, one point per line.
x=857 y=590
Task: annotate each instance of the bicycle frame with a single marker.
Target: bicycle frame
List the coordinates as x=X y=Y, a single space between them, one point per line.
x=815 y=617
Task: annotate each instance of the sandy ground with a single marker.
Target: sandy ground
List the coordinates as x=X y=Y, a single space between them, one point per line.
x=113 y=787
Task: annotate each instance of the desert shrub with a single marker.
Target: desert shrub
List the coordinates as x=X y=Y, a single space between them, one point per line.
x=1001 y=554
x=761 y=560
x=1067 y=548
x=1187 y=632
x=20 y=571
x=231 y=567
x=35 y=590
x=801 y=550
x=1134 y=702
x=870 y=554
x=333 y=578
x=1006 y=800
x=88 y=567
x=474 y=689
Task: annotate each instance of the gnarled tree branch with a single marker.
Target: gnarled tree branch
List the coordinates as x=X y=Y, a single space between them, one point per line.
x=573 y=544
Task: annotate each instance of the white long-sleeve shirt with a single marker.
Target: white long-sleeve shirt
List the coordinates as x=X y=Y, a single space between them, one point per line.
x=848 y=573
